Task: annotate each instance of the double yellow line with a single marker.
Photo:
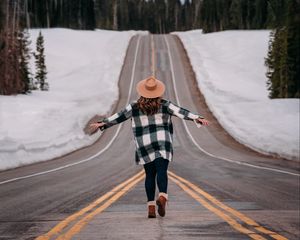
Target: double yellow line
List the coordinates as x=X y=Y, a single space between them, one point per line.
x=86 y=214
x=230 y=215
x=73 y=224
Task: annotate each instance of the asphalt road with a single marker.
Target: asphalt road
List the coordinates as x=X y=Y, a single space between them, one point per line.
x=265 y=189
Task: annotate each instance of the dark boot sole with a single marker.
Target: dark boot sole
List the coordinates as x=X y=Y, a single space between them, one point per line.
x=161 y=210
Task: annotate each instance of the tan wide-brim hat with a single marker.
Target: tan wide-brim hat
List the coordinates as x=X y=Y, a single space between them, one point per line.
x=150 y=88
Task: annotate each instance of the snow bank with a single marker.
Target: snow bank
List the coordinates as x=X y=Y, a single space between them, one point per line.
x=83 y=71
x=230 y=70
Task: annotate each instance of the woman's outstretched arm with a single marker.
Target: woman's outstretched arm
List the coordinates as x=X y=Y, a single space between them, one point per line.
x=183 y=113
x=116 y=118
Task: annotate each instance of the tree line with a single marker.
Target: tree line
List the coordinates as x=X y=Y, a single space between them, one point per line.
x=157 y=16
x=164 y=16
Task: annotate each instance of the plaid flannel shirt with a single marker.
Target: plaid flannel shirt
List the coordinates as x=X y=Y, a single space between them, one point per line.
x=153 y=134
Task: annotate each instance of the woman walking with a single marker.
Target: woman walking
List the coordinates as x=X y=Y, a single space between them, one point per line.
x=153 y=136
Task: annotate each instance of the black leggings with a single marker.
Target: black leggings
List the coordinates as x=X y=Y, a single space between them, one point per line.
x=156 y=169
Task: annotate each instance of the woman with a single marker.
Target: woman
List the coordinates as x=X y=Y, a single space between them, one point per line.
x=153 y=135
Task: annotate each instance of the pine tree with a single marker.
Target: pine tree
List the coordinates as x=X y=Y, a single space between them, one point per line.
x=283 y=59
x=276 y=13
x=250 y=11
x=24 y=48
x=277 y=73
x=209 y=16
x=260 y=17
x=270 y=64
x=235 y=12
x=41 y=71
x=224 y=14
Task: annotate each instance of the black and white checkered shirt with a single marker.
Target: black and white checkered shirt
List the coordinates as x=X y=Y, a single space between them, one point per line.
x=153 y=134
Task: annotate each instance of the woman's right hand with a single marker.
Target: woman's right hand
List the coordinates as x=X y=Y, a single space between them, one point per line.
x=203 y=121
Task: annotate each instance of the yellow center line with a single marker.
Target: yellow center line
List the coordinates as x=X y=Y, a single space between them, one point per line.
x=152 y=56
x=82 y=222
x=63 y=224
x=218 y=212
x=234 y=212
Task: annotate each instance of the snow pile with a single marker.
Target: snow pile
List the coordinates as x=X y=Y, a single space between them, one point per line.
x=230 y=70
x=83 y=71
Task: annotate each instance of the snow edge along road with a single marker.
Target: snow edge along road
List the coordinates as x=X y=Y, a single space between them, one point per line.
x=100 y=152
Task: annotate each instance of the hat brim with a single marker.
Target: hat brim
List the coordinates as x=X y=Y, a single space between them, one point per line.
x=144 y=92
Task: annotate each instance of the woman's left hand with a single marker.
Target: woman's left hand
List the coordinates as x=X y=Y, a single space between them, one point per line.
x=93 y=127
x=203 y=121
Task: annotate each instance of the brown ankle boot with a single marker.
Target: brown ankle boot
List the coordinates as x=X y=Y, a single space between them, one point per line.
x=161 y=203
x=151 y=211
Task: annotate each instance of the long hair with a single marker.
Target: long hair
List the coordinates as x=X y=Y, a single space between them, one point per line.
x=149 y=106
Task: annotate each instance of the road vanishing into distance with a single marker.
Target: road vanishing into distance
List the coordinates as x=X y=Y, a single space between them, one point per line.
x=218 y=189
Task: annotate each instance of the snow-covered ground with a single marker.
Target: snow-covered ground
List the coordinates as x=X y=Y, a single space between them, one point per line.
x=83 y=71
x=230 y=70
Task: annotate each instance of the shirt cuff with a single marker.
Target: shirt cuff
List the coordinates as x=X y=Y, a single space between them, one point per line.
x=104 y=126
x=198 y=124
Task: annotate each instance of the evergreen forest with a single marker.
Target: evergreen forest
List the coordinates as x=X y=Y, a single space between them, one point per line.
x=156 y=16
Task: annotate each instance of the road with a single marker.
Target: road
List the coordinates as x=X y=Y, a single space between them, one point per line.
x=218 y=188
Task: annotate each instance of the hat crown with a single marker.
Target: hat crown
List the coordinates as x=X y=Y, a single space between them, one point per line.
x=151 y=83
x=150 y=87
